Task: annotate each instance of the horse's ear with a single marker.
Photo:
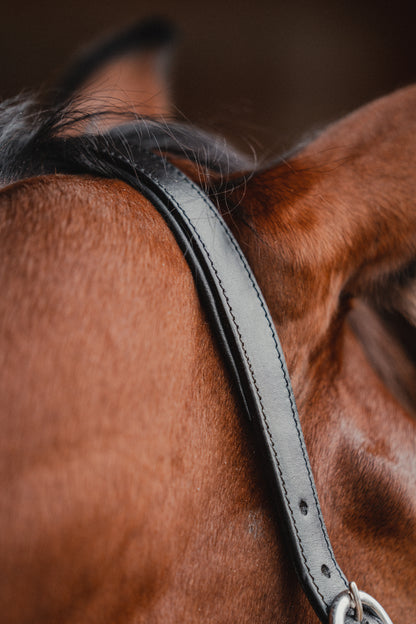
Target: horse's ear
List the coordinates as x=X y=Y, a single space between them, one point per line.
x=126 y=72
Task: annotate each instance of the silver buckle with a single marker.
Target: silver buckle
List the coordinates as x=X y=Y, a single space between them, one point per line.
x=352 y=598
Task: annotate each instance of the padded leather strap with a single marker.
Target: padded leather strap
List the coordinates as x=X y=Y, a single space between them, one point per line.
x=246 y=334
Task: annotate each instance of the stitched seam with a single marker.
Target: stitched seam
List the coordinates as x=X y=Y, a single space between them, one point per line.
x=219 y=219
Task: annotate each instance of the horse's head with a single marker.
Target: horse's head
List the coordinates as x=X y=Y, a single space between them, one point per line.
x=132 y=488
x=335 y=255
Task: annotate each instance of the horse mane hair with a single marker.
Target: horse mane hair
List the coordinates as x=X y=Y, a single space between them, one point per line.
x=36 y=139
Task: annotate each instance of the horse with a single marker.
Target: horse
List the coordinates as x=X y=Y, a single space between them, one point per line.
x=132 y=488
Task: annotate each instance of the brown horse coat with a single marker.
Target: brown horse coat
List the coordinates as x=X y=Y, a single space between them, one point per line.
x=131 y=490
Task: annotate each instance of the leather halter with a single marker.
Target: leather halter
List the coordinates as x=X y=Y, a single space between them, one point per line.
x=245 y=332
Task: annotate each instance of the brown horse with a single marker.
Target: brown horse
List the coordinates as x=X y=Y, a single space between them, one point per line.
x=131 y=490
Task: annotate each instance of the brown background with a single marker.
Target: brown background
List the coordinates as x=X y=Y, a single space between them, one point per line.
x=262 y=72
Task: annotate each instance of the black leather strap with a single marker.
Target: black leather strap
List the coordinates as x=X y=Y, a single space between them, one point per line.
x=245 y=331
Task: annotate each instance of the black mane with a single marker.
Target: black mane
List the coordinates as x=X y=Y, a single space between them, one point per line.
x=36 y=140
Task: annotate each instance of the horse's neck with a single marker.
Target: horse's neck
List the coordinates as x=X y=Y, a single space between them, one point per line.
x=134 y=482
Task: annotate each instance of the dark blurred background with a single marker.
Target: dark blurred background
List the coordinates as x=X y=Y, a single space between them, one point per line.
x=262 y=72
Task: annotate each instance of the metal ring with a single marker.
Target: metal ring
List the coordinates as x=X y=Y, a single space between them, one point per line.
x=356 y=600
x=343 y=603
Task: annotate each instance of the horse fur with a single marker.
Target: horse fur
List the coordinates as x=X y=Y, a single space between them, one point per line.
x=132 y=490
